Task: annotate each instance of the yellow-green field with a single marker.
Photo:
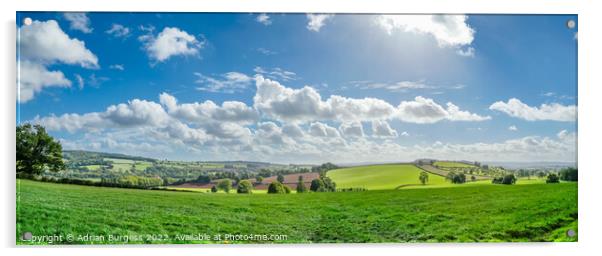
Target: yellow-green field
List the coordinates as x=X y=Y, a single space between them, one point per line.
x=452 y=164
x=386 y=176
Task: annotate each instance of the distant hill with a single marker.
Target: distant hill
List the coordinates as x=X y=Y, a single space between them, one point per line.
x=82 y=154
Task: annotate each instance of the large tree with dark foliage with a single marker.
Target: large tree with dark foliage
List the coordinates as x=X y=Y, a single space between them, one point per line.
x=37 y=151
x=569 y=174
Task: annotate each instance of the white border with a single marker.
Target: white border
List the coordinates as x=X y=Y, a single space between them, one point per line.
x=589 y=121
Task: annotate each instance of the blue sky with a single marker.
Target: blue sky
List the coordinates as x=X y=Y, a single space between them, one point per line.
x=303 y=88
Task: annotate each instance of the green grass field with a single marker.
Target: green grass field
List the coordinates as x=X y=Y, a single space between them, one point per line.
x=537 y=212
x=119 y=160
x=93 y=167
x=375 y=177
x=452 y=164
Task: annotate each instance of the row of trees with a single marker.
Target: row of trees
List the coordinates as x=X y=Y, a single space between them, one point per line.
x=322 y=184
x=132 y=182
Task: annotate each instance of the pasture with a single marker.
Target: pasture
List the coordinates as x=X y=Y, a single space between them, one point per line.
x=386 y=176
x=488 y=213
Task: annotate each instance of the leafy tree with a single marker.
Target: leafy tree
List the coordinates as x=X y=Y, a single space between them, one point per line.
x=569 y=174
x=541 y=174
x=424 y=177
x=552 y=178
x=244 y=187
x=324 y=168
x=280 y=178
x=473 y=178
x=456 y=178
x=507 y=179
x=276 y=188
x=36 y=150
x=301 y=188
x=203 y=179
x=259 y=179
x=329 y=185
x=213 y=189
x=317 y=185
x=225 y=185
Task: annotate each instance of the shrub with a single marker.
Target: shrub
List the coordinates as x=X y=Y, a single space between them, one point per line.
x=317 y=185
x=244 y=187
x=276 y=188
x=329 y=185
x=213 y=189
x=507 y=179
x=552 y=178
x=286 y=188
x=301 y=188
x=225 y=185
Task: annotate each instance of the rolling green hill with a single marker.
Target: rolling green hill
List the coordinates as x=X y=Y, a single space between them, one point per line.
x=492 y=213
x=386 y=176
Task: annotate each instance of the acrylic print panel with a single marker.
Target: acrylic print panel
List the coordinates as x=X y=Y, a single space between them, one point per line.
x=172 y=128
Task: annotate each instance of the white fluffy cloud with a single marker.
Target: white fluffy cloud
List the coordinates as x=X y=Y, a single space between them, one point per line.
x=353 y=129
x=171 y=42
x=316 y=21
x=233 y=130
x=230 y=82
x=301 y=105
x=208 y=111
x=306 y=104
x=118 y=30
x=46 y=43
x=134 y=113
x=554 y=112
x=137 y=112
x=78 y=21
x=382 y=129
x=264 y=19
x=513 y=128
x=468 y=52
x=37 y=52
x=34 y=77
x=318 y=129
x=530 y=148
x=448 y=30
x=424 y=110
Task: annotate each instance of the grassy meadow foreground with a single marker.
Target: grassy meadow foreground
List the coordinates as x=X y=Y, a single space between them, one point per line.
x=532 y=212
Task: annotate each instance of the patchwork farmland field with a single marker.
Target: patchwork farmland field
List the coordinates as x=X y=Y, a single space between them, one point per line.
x=538 y=212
